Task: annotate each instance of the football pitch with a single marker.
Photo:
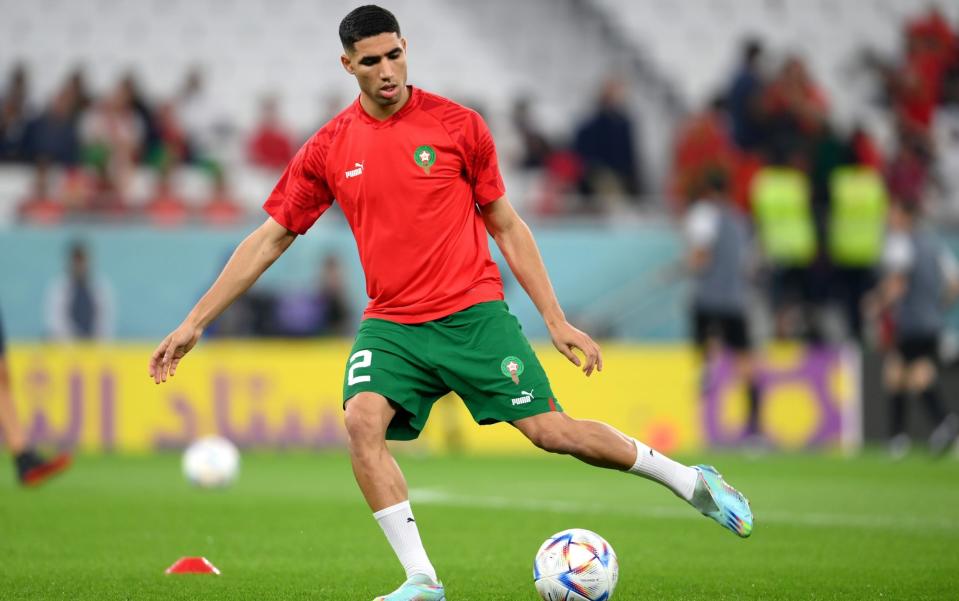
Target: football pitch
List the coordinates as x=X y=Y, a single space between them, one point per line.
x=295 y=527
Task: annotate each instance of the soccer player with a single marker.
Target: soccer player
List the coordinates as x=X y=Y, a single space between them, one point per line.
x=920 y=283
x=417 y=178
x=32 y=469
x=719 y=258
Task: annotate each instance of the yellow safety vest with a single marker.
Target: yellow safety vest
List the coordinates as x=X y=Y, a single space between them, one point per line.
x=857 y=218
x=780 y=199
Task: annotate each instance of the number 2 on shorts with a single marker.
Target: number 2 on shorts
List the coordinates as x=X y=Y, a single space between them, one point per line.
x=358 y=360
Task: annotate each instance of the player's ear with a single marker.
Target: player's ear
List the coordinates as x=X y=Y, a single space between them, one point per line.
x=403 y=44
x=345 y=61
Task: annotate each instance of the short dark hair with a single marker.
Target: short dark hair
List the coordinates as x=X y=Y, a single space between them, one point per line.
x=365 y=22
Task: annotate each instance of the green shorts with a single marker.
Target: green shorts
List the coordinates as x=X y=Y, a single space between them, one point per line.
x=480 y=353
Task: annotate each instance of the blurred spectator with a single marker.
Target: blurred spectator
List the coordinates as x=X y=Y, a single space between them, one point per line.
x=606 y=145
x=322 y=312
x=534 y=146
x=857 y=220
x=79 y=305
x=921 y=281
x=221 y=208
x=271 y=145
x=198 y=116
x=781 y=198
x=14 y=115
x=40 y=206
x=54 y=134
x=112 y=133
x=745 y=97
x=720 y=256
x=703 y=149
x=151 y=144
x=166 y=207
x=794 y=109
x=78 y=90
x=907 y=174
x=173 y=141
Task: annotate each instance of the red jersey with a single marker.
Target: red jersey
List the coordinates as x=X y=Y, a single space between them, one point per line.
x=409 y=187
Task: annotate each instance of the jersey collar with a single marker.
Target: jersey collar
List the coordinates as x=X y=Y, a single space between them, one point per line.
x=411 y=104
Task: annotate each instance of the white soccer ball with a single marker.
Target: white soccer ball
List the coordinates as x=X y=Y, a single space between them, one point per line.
x=211 y=462
x=575 y=565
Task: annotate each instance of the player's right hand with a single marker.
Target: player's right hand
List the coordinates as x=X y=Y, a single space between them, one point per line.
x=167 y=356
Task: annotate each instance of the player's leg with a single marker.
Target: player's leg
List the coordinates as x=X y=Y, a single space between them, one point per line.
x=893 y=383
x=32 y=469
x=381 y=481
x=490 y=364
x=386 y=363
x=921 y=378
x=601 y=445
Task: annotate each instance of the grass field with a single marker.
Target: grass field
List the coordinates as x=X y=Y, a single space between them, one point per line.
x=295 y=527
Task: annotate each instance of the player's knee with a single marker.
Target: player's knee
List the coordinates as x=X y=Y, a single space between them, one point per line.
x=363 y=423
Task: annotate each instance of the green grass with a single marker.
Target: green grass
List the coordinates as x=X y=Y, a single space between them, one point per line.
x=295 y=527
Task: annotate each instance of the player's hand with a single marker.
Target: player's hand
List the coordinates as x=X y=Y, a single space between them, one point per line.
x=167 y=356
x=566 y=338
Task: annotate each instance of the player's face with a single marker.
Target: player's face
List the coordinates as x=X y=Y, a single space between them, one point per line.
x=379 y=65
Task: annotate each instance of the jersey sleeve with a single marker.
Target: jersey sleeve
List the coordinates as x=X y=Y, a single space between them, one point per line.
x=483 y=165
x=302 y=194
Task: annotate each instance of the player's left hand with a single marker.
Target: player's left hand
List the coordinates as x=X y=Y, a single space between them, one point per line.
x=566 y=338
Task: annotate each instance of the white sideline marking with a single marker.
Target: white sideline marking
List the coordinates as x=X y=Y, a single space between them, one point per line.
x=435 y=496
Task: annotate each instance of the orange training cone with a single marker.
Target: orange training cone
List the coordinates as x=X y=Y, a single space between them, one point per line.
x=193 y=565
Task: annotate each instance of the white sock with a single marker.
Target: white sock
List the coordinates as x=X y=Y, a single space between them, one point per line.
x=400 y=529
x=679 y=478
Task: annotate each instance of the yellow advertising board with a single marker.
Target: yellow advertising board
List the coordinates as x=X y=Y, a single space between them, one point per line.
x=282 y=394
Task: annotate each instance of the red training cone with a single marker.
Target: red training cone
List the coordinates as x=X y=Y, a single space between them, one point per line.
x=193 y=565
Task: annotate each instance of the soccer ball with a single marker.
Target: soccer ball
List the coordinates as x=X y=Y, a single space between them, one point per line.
x=575 y=565
x=211 y=462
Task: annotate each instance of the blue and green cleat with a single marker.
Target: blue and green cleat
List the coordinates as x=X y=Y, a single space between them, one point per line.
x=718 y=500
x=418 y=587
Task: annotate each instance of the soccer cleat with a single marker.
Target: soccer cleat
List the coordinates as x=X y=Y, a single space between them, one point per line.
x=718 y=500
x=418 y=587
x=33 y=470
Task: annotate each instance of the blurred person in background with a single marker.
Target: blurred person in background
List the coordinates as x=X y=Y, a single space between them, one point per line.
x=53 y=135
x=136 y=99
x=703 y=148
x=31 y=468
x=113 y=135
x=198 y=115
x=436 y=321
x=721 y=258
x=533 y=144
x=856 y=229
x=14 y=114
x=606 y=144
x=324 y=311
x=270 y=145
x=794 y=109
x=921 y=282
x=745 y=97
x=79 y=305
x=780 y=197
x=76 y=84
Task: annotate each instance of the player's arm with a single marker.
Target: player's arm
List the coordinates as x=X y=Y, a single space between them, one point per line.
x=515 y=241
x=250 y=259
